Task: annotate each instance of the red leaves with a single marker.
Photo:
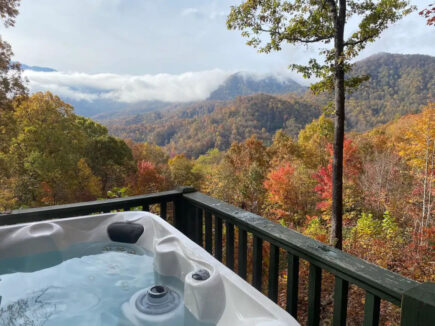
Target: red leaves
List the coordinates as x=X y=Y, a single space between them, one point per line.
x=147 y=179
x=279 y=183
x=351 y=166
x=429 y=14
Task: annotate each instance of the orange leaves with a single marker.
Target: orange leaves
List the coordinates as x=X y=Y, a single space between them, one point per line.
x=283 y=193
x=279 y=182
x=47 y=193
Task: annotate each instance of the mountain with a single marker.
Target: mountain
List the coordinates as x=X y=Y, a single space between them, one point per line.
x=238 y=84
x=37 y=68
x=242 y=84
x=399 y=84
x=208 y=124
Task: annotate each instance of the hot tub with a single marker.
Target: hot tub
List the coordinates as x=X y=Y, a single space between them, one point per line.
x=129 y=268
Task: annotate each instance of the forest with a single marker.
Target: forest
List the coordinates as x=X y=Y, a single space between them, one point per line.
x=268 y=154
x=53 y=156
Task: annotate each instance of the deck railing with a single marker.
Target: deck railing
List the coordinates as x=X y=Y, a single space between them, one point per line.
x=207 y=220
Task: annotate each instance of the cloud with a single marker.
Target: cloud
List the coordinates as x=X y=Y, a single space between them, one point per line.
x=185 y=87
x=190 y=11
x=204 y=13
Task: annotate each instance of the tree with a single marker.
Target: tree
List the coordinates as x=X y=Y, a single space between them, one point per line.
x=182 y=173
x=429 y=14
x=147 y=179
x=281 y=191
x=44 y=152
x=419 y=151
x=314 y=139
x=324 y=175
x=308 y=22
x=241 y=174
x=11 y=83
x=54 y=156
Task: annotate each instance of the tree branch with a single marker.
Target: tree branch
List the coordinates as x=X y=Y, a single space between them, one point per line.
x=298 y=39
x=353 y=43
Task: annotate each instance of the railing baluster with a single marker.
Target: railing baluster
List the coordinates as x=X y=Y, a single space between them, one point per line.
x=229 y=245
x=198 y=226
x=273 y=273
x=292 y=284
x=340 y=302
x=190 y=221
x=314 y=287
x=243 y=250
x=208 y=232
x=163 y=210
x=218 y=238
x=371 y=309
x=257 y=262
x=179 y=217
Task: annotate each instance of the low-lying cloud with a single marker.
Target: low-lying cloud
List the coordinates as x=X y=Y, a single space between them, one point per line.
x=185 y=87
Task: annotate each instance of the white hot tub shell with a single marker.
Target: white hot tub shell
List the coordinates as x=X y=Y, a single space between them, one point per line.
x=222 y=299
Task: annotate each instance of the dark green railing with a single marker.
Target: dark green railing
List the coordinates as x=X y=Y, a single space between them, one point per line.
x=207 y=221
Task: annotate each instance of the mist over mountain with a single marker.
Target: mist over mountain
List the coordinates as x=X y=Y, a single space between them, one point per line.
x=106 y=93
x=238 y=84
x=398 y=85
x=242 y=84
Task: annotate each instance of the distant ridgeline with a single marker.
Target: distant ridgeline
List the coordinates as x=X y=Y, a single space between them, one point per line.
x=399 y=84
x=211 y=124
x=37 y=68
x=246 y=104
x=241 y=84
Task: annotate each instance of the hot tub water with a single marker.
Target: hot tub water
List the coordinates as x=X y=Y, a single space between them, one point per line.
x=86 y=284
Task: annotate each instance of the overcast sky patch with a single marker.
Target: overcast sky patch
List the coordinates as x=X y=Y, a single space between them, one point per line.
x=139 y=37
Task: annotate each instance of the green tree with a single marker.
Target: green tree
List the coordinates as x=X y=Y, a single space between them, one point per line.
x=54 y=156
x=45 y=149
x=11 y=85
x=314 y=139
x=111 y=160
x=307 y=22
x=182 y=173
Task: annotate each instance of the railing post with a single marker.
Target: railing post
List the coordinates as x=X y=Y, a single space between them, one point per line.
x=418 y=306
x=182 y=210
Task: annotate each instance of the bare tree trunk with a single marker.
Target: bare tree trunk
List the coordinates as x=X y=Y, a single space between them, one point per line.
x=336 y=237
x=426 y=170
x=429 y=201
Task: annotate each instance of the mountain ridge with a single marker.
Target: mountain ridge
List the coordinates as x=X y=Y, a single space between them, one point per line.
x=243 y=84
x=399 y=85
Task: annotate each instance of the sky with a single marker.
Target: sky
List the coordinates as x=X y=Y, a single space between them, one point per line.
x=134 y=50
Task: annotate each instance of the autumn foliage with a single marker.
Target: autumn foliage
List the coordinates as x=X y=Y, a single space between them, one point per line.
x=52 y=156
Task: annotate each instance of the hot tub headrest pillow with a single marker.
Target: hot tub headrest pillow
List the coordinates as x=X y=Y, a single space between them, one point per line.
x=125 y=232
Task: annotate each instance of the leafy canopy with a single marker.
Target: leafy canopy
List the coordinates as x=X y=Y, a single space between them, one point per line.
x=311 y=21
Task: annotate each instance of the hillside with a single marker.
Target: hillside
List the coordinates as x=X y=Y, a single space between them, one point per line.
x=210 y=124
x=238 y=84
x=399 y=84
